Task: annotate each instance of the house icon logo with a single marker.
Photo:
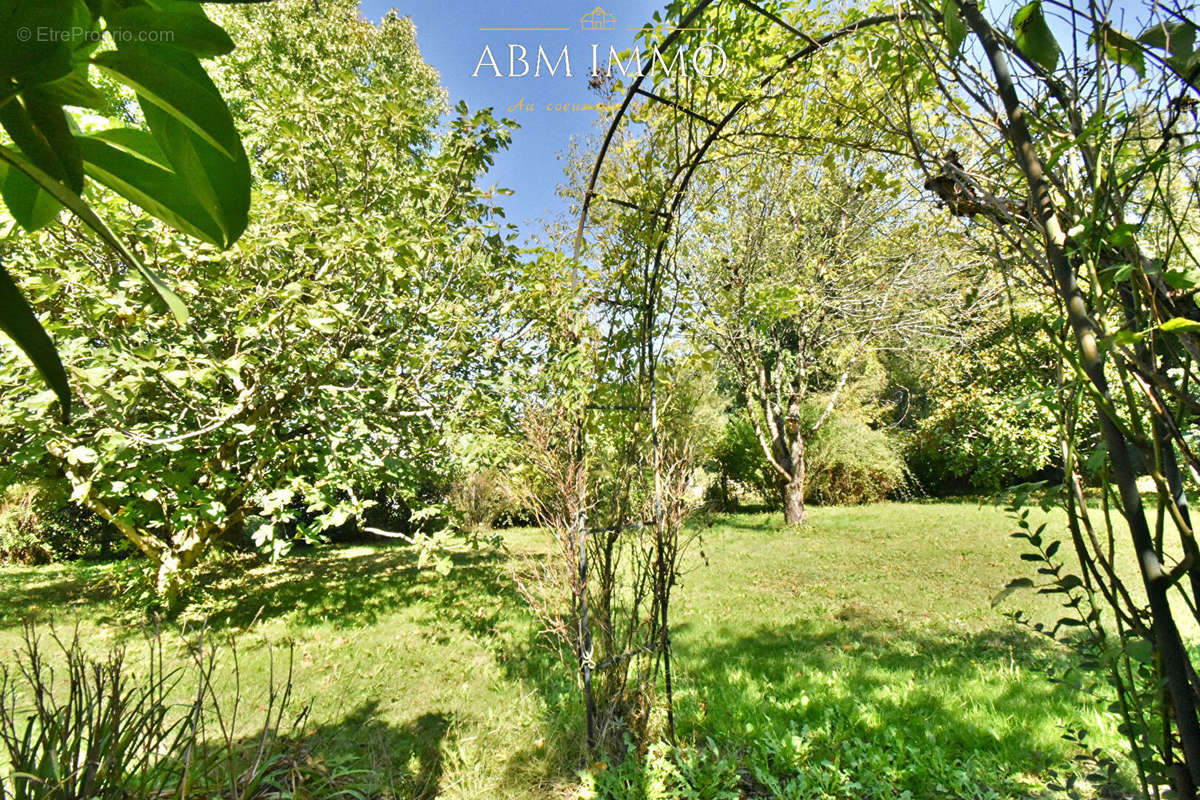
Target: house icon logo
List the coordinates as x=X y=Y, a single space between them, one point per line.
x=598 y=20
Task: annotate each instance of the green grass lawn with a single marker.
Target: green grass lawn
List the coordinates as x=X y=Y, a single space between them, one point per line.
x=857 y=656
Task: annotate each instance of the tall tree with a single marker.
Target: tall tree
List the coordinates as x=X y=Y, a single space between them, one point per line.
x=364 y=309
x=809 y=267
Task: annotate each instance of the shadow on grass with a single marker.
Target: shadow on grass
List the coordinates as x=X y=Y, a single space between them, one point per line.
x=347 y=590
x=38 y=592
x=936 y=706
x=402 y=761
x=975 y=701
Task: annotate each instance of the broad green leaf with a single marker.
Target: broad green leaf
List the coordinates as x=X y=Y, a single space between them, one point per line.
x=22 y=51
x=953 y=25
x=1180 y=325
x=31 y=206
x=1177 y=38
x=181 y=27
x=130 y=162
x=174 y=81
x=50 y=120
x=85 y=213
x=1140 y=650
x=82 y=454
x=220 y=185
x=1182 y=278
x=1033 y=36
x=20 y=125
x=1120 y=47
x=1122 y=272
x=74 y=90
x=1126 y=337
x=193 y=127
x=21 y=325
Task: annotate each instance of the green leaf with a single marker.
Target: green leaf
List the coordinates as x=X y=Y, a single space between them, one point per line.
x=1182 y=278
x=81 y=454
x=174 y=81
x=21 y=325
x=1127 y=337
x=21 y=125
x=1141 y=651
x=85 y=213
x=193 y=127
x=31 y=206
x=51 y=121
x=953 y=25
x=220 y=185
x=130 y=162
x=1177 y=38
x=22 y=51
x=180 y=26
x=1120 y=47
x=1180 y=325
x=1033 y=36
x=74 y=90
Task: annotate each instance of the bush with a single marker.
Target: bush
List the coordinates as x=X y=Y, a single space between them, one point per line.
x=39 y=524
x=848 y=463
x=851 y=463
x=741 y=467
x=983 y=422
x=480 y=498
x=979 y=440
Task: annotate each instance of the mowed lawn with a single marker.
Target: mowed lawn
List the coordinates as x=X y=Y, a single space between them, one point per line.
x=857 y=656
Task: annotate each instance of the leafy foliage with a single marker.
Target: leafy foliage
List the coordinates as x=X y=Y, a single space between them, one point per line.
x=38 y=523
x=74 y=725
x=987 y=423
x=365 y=307
x=852 y=463
x=186 y=166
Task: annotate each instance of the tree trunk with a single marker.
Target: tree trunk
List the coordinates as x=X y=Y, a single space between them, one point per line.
x=793 y=489
x=793 y=500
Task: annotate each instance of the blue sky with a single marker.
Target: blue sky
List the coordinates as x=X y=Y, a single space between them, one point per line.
x=450 y=36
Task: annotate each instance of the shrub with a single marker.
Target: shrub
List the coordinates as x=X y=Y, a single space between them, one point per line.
x=39 y=524
x=741 y=466
x=978 y=439
x=983 y=422
x=480 y=498
x=850 y=463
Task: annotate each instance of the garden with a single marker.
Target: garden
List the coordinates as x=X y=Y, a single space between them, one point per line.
x=831 y=439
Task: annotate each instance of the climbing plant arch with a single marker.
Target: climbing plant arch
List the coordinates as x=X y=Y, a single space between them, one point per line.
x=679 y=180
x=658 y=213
